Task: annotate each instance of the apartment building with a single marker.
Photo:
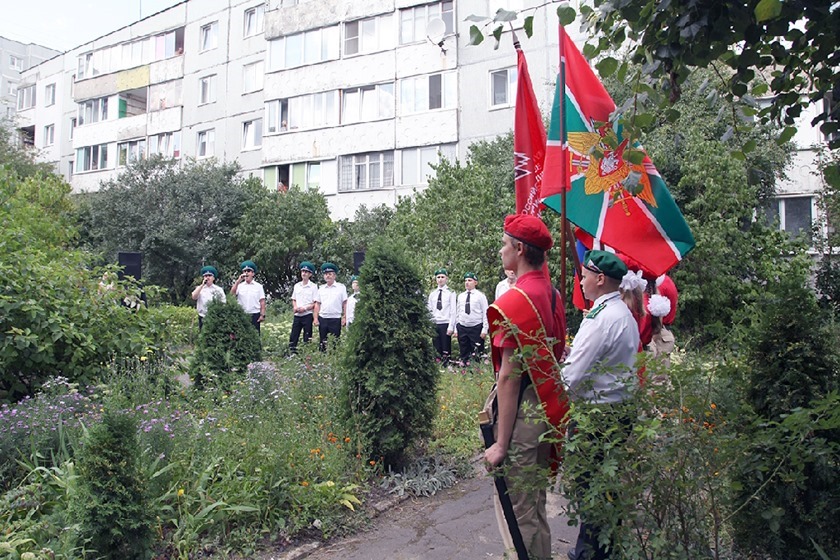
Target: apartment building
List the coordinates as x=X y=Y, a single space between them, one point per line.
x=357 y=99
x=15 y=57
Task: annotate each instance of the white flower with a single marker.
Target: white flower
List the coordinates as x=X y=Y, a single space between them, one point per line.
x=659 y=306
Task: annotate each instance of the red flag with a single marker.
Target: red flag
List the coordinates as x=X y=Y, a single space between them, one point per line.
x=528 y=142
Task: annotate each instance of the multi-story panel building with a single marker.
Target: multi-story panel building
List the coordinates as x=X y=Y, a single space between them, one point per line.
x=15 y=57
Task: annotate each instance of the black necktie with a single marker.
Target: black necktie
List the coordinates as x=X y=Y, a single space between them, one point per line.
x=467 y=306
x=440 y=299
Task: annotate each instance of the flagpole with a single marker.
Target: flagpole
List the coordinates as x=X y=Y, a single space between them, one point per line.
x=563 y=161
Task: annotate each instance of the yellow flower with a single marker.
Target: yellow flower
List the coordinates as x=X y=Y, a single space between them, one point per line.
x=180 y=492
x=304 y=483
x=143 y=358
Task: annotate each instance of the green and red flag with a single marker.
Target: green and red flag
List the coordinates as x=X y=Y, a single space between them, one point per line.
x=621 y=204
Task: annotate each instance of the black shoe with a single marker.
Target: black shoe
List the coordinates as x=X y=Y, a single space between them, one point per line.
x=572 y=554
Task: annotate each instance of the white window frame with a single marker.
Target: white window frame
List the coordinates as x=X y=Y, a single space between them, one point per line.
x=93 y=111
x=207 y=89
x=92 y=158
x=26 y=97
x=368 y=35
x=165 y=144
x=415 y=20
x=206 y=143
x=314 y=46
x=208 y=36
x=49 y=135
x=418 y=92
x=367 y=171
x=367 y=103
x=415 y=162
x=11 y=88
x=510 y=76
x=16 y=63
x=73 y=121
x=305 y=112
x=781 y=211
x=130 y=151
x=253 y=22
x=49 y=95
x=252 y=134
x=255 y=74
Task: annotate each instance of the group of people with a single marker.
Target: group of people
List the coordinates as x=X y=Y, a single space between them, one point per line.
x=537 y=375
x=327 y=306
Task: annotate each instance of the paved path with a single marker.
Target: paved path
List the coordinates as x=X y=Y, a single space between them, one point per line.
x=455 y=524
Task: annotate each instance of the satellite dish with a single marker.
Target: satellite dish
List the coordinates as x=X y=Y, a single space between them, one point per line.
x=436 y=30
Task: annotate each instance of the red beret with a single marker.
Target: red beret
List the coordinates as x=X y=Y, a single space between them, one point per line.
x=529 y=229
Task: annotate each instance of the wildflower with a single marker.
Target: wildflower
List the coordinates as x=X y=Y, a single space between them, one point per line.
x=372 y=463
x=713 y=406
x=304 y=483
x=180 y=492
x=143 y=358
x=346 y=440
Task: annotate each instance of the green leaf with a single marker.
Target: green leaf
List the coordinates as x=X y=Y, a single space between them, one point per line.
x=643 y=120
x=529 y=26
x=760 y=89
x=607 y=66
x=786 y=135
x=475 y=18
x=749 y=146
x=768 y=9
x=505 y=15
x=589 y=51
x=476 y=37
x=566 y=14
x=636 y=157
x=497 y=33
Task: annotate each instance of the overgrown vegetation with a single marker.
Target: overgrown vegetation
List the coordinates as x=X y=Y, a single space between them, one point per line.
x=227 y=344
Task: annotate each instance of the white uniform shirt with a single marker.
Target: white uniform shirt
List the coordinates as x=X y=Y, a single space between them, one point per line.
x=206 y=295
x=305 y=295
x=249 y=296
x=600 y=367
x=448 y=309
x=332 y=300
x=502 y=287
x=351 y=307
x=478 y=310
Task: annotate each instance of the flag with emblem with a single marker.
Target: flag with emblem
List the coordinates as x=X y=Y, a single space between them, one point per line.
x=528 y=141
x=613 y=190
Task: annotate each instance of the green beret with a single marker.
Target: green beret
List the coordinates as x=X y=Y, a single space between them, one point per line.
x=471 y=275
x=329 y=267
x=249 y=264
x=354 y=278
x=306 y=265
x=440 y=271
x=210 y=269
x=605 y=262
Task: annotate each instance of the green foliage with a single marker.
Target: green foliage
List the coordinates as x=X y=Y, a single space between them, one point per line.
x=391 y=374
x=227 y=344
x=828 y=271
x=19 y=159
x=282 y=229
x=179 y=216
x=113 y=508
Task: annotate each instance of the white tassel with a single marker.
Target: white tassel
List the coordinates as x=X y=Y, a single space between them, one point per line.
x=659 y=306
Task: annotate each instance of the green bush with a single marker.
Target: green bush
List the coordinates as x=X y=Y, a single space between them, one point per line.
x=227 y=344
x=113 y=509
x=391 y=374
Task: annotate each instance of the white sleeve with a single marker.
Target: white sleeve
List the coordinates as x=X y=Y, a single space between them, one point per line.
x=585 y=352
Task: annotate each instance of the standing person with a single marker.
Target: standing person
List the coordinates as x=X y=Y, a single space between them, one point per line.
x=330 y=312
x=304 y=299
x=206 y=292
x=661 y=303
x=528 y=329
x=442 y=304
x=471 y=321
x=353 y=299
x=249 y=293
x=508 y=282
x=600 y=367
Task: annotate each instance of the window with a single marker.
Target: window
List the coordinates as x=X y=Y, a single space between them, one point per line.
x=309 y=47
x=794 y=214
x=366 y=171
x=49 y=95
x=167 y=144
x=368 y=35
x=15 y=62
x=206 y=143
x=254 y=21
x=304 y=112
x=49 y=135
x=93 y=110
x=367 y=103
x=831 y=108
x=26 y=97
x=72 y=127
x=413 y=21
x=132 y=54
x=503 y=87
x=128 y=152
x=253 y=76
x=207 y=90
x=252 y=134
x=87 y=66
x=424 y=93
x=11 y=88
x=169 y=44
x=91 y=158
x=416 y=162
x=208 y=36
x=313 y=175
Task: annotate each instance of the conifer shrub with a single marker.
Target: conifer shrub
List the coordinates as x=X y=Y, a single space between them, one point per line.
x=390 y=374
x=227 y=344
x=113 y=508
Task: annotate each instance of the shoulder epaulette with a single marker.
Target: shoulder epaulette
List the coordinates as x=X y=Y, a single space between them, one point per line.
x=594 y=312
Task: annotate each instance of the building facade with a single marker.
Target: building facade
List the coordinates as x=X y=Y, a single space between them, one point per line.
x=15 y=57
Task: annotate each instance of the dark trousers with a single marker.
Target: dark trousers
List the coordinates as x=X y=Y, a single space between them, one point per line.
x=255 y=320
x=442 y=342
x=299 y=324
x=470 y=343
x=327 y=327
x=200 y=322
x=587 y=546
